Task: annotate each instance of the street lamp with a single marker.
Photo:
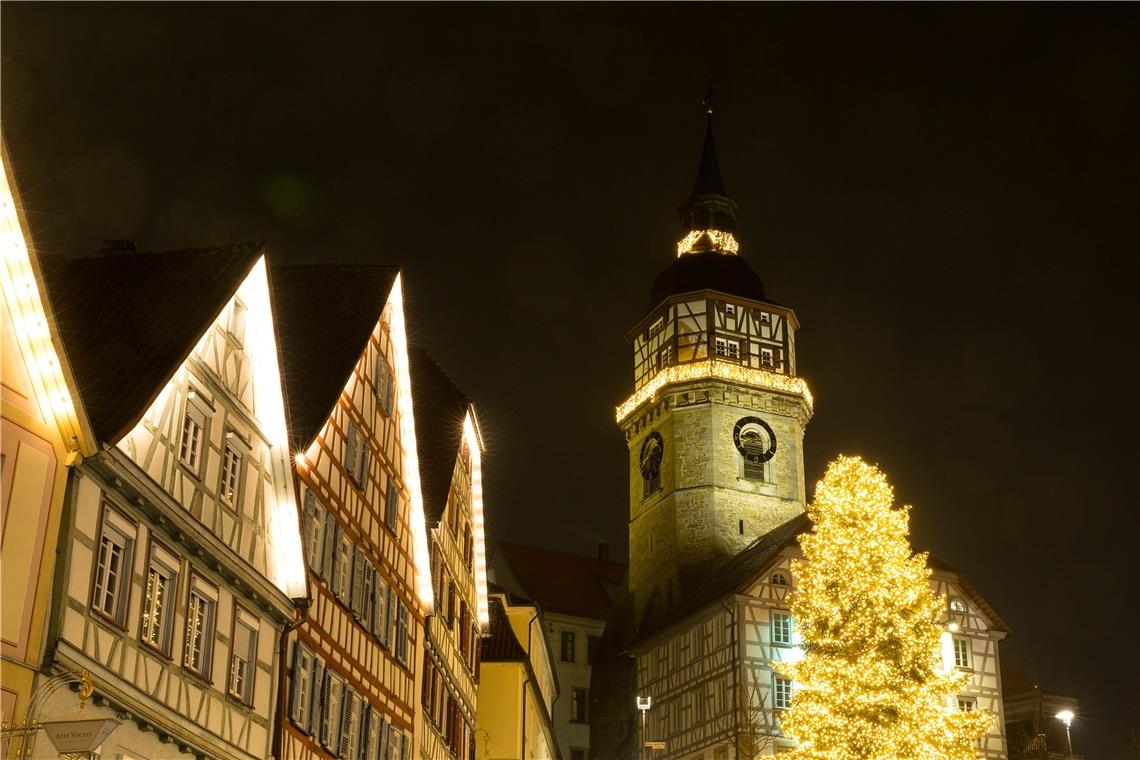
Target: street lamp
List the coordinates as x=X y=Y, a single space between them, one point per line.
x=643 y=704
x=1066 y=717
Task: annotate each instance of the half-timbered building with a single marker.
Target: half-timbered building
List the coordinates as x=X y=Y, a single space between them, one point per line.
x=179 y=543
x=450 y=455
x=715 y=430
x=353 y=658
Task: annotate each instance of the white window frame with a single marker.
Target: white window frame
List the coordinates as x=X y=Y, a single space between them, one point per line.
x=727 y=347
x=962 y=653
x=780 y=578
x=342 y=568
x=957 y=605
x=729 y=309
x=230 y=482
x=782 y=628
x=114 y=560
x=192 y=436
x=781 y=693
x=156 y=627
x=243 y=664
x=313 y=517
x=384 y=384
x=767 y=358
x=302 y=696
x=201 y=624
x=967 y=704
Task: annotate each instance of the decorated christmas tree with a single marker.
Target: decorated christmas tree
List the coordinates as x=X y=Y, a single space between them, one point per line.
x=870 y=684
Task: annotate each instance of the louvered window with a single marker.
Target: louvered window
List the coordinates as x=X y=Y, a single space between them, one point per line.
x=356 y=455
x=331 y=712
x=402 y=634
x=350 y=725
x=392 y=507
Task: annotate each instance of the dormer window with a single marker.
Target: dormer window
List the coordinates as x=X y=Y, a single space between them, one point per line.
x=765 y=318
x=193 y=433
x=728 y=348
x=779 y=579
x=730 y=310
x=957 y=605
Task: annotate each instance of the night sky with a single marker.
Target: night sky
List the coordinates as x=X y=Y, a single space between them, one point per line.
x=948 y=197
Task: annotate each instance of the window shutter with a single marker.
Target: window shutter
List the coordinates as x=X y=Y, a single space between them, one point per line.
x=348 y=710
x=351 y=445
x=390 y=618
x=385 y=739
x=330 y=540
x=296 y=709
x=366 y=595
x=316 y=696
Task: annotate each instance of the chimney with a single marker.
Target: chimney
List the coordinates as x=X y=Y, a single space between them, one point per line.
x=604 y=552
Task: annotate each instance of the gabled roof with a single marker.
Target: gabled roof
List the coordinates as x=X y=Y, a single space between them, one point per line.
x=439 y=408
x=501 y=645
x=324 y=316
x=734 y=576
x=564 y=582
x=964 y=583
x=129 y=320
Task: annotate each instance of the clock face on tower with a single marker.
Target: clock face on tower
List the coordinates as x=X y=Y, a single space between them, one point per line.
x=754 y=439
x=652 y=452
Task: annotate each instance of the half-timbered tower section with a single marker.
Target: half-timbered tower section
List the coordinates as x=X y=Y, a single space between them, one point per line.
x=716 y=421
x=181 y=547
x=41 y=432
x=353 y=659
x=450 y=455
x=708 y=668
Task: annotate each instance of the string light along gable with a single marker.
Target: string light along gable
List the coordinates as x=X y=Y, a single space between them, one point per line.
x=475 y=445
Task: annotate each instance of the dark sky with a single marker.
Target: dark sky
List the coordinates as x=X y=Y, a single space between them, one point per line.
x=947 y=195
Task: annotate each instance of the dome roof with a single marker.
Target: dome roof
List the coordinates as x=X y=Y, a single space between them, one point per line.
x=724 y=273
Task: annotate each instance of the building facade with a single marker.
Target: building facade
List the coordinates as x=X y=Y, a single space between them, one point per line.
x=353 y=658
x=575 y=593
x=518 y=678
x=715 y=431
x=450 y=455
x=41 y=432
x=179 y=545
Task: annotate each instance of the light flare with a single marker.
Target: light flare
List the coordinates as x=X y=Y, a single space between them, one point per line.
x=475 y=446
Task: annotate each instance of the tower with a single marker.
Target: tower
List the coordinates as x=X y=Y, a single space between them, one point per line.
x=716 y=421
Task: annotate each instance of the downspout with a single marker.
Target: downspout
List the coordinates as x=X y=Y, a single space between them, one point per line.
x=529 y=629
x=62 y=569
x=302 y=607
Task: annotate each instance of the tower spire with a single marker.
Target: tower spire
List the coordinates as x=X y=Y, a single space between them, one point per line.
x=709 y=215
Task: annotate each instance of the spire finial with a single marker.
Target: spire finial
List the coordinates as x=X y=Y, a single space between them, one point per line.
x=708 y=97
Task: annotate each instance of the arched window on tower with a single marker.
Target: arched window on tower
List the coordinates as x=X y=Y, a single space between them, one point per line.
x=755 y=444
x=652 y=452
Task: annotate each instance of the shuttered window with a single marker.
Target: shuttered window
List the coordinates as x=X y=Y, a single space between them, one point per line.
x=302 y=696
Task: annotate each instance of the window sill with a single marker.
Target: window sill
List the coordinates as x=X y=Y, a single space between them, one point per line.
x=202 y=678
x=152 y=649
x=103 y=617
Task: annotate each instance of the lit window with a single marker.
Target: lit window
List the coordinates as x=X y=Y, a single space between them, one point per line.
x=656 y=326
x=766 y=358
x=236 y=325
x=781 y=628
x=392 y=507
x=567 y=646
x=765 y=318
x=728 y=348
x=730 y=310
x=193 y=430
x=356 y=455
x=113 y=571
x=782 y=693
x=961 y=652
x=200 y=620
x=243 y=656
x=161 y=589
x=779 y=579
x=957 y=605
x=579 y=700
x=967 y=704
x=231 y=475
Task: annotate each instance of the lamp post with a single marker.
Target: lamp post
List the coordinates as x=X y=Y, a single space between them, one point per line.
x=643 y=704
x=1066 y=717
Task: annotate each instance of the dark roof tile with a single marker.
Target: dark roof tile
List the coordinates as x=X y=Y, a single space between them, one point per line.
x=563 y=582
x=439 y=408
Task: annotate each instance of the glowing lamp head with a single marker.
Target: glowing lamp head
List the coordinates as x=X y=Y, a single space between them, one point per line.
x=1066 y=717
x=953 y=627
x=644 y=703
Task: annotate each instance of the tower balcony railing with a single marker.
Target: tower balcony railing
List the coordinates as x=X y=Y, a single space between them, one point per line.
x=718 y=369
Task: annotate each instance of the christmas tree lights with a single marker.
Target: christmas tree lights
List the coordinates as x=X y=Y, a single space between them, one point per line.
x=870 y=684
